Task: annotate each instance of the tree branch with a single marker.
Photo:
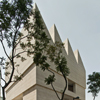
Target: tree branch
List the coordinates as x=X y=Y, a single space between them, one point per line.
x=20 y=40
x=51 y=71
x=3 y=80
x=55 y=91
x=12 y=61
x=5 y=50
x=19 y=53
x=1 y=36
x=65 y=86
x=53 y=86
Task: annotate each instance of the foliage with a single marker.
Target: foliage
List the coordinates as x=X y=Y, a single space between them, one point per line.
x=94 y=83
x=13 y=16
x=16 y=14
x=54 y=54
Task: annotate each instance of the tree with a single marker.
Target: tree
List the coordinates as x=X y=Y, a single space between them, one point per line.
x=54 y=53
x=94 y=83
x=15 y=14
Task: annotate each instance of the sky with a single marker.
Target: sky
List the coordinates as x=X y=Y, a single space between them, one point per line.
x=79 y=21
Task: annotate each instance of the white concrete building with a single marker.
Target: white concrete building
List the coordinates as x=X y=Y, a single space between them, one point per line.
x=32 y=86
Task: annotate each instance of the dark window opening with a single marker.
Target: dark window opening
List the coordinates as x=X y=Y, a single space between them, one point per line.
x=71 y=86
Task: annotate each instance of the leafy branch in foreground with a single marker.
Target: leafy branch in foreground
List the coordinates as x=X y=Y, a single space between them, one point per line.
x=94 y=83
x=13 y=15
x=54 y=54
x=16 y=14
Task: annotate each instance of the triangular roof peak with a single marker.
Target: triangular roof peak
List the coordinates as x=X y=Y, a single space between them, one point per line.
x=68 y=47
x=35 y=6
x=54 y=34
x=78 y=57
x=69 y=50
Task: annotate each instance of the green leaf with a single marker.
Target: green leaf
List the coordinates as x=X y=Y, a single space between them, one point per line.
x=7 y=63
x=17 y=78
x=50 y=79
x=7 y=73
x=23 y=59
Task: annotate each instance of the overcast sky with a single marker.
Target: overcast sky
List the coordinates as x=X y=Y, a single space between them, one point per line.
x=78 y=20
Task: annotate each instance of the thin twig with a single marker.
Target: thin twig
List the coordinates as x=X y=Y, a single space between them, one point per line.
x=20 y=40
x=5 y=50
x=19 y=53
x=3 y=80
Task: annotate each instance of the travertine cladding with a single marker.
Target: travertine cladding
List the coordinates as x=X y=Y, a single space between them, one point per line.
x=32 y=86
x=29 y=79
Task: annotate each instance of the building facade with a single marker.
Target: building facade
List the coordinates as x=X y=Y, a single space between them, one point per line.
x=32 y=86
